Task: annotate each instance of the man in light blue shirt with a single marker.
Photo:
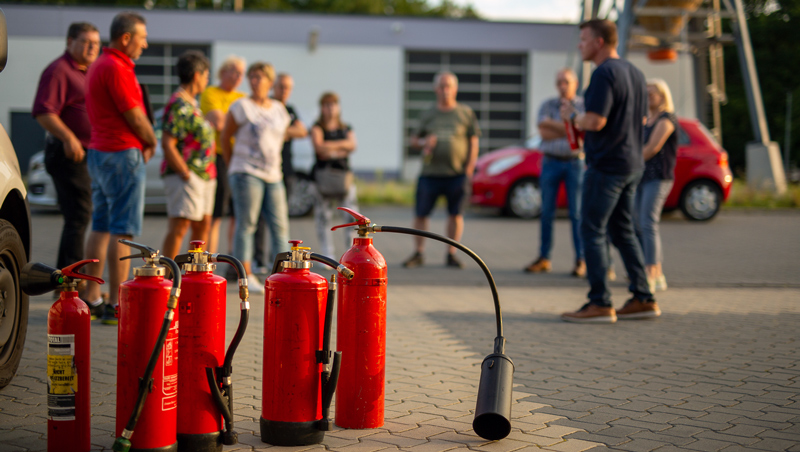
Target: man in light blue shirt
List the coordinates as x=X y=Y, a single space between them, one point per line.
x=560 y=163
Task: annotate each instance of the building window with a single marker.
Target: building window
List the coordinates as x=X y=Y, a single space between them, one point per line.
x=156 y=69
x=493 y=84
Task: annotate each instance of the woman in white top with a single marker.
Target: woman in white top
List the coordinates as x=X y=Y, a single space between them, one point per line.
x=258 y=124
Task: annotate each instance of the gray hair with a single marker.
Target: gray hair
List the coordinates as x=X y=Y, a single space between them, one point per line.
x=439 y=75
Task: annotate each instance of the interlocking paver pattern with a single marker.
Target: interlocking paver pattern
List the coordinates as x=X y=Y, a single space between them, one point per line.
x=718 y=371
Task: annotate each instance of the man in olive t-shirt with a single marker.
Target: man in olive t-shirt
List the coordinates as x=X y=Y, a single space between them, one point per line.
x=448 y=137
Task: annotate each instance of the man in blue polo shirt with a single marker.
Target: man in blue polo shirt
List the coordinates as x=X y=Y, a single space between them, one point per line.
x=616 y=106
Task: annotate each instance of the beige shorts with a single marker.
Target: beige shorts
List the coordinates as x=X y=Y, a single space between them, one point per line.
x=192 y=199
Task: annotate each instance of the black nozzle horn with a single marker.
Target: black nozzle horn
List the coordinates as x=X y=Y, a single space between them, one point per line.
x=37 y=278
x=493 y=409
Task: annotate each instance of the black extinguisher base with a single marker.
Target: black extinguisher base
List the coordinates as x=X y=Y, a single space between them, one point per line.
x=290 y=434
x=200 y=442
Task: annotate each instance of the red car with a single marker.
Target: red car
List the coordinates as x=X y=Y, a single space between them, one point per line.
x=508 y=178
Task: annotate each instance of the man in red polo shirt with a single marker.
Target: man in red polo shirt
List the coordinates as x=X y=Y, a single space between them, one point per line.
x=60 y=108
x=122 y=142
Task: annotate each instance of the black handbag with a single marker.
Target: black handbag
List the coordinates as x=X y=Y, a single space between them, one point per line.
x=333 y=182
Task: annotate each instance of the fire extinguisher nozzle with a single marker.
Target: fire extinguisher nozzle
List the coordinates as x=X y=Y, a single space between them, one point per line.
x=121 y=445
x=229 y=438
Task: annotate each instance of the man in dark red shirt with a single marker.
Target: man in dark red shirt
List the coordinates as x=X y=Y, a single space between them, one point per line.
x=60 y=108
x=122 y=141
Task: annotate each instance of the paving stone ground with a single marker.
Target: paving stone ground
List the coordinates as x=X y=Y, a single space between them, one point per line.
x=718 y=371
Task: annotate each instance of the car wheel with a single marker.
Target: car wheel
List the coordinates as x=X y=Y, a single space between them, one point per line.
x=701 y=200
x=524 y=199
x=13 y=303
x=301 y=198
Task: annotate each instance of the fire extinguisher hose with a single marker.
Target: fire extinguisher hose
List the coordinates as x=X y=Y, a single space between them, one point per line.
x=321 y=258
x=123 y=444
x=229 y=437
x=499 y=342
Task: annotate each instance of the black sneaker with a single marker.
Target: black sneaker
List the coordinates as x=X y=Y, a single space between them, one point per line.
x=109 y=315
x=452 y=261
x=414 y=261
x=96 y=311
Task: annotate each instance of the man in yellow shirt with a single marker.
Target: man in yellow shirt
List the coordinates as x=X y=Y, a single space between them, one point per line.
x=214 y=103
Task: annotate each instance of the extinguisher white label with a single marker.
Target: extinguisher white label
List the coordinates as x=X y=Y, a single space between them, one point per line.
x=62 y=377
x=169 y=385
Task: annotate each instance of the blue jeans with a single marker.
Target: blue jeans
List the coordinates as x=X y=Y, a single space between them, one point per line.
x=253 y=197
x=650 y=198
x=553 y=172
x=118 y=182
x=608 y=212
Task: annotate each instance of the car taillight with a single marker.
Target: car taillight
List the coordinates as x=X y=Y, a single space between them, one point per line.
x=722 y=159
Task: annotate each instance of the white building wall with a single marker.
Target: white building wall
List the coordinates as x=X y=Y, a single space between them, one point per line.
x=27 y=58
x=369 y=83
x=679 y=77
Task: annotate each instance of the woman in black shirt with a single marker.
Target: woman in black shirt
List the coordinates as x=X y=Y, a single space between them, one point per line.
x=660 y=153
x=333 y=142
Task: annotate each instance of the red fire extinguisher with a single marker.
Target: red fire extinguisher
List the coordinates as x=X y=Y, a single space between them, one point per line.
x=300 y=372
x=205 y=394
x=574 y=135
x=147 y=355
x=362 y=308
x=68 y=355
x=361 y=331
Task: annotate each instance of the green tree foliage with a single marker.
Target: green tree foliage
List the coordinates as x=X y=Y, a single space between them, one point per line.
x=775 y=32
x=447 y=8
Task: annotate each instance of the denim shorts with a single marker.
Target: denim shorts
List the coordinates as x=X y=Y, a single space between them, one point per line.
x=118 y=182
x=430 y=188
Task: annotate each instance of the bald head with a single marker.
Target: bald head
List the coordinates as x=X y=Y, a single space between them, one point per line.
x=446 y=86
x=567 y=83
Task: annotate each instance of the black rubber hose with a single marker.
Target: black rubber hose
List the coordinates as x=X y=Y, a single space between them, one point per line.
x=468 y=252
x=235 y=263
x=243 y=319
x=321 y=258
x=216 y=395
x=326 y=331
x=144 y=383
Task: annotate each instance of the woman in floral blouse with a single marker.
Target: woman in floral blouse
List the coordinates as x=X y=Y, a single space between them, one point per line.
x=189 y=169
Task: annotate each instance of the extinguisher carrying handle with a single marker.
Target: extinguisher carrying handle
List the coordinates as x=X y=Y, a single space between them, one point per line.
x=146 y=251
x=72 y=272
x=146 y=381
x=361 y=220
x=37 y=278
x=499 y=343
x=344 y=271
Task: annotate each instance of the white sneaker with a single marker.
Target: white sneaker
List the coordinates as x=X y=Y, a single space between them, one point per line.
x=661 y=283
x=651 y=284
x=254 y=285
